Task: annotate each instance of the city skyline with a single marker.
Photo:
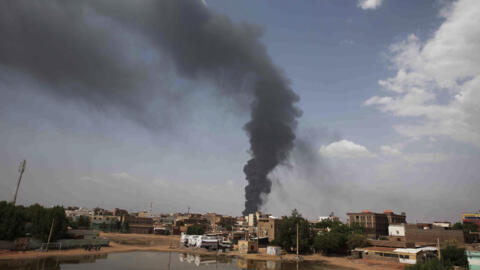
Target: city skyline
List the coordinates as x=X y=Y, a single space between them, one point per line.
x=389 y=92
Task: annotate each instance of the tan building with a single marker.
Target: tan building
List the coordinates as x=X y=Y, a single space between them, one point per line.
x=247 y=246
x=375 y=224
x=143 y=225
x=267 y=227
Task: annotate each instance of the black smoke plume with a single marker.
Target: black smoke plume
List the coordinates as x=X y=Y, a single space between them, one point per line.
x=59 y=43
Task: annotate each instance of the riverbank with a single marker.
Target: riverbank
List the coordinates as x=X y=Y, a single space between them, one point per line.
x=147 y=242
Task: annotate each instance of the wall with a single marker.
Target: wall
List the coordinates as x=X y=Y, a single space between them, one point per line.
x=430 y=236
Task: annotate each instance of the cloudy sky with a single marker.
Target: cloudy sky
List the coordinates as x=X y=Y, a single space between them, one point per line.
x=389 y=90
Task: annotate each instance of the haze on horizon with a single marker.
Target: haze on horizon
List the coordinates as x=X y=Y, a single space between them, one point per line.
x=389 y=93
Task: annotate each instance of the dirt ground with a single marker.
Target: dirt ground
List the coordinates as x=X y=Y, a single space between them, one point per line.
x=148 y=242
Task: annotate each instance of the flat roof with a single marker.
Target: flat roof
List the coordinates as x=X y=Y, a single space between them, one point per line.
x=385 y=249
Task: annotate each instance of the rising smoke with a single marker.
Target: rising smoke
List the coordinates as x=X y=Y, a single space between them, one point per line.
x=59 y=43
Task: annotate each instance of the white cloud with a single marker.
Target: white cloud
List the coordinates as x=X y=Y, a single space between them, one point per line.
x=347 y=42
x=438 y=80
x=124 y=176
x=369 y=4
x=345 y=149
x=389 y=150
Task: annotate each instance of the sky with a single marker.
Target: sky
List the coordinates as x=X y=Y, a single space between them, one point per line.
x=389 y=93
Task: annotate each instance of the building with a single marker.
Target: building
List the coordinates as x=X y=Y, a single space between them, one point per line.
x=472 y=218
x=104 y=222
x=442 y=224
x=76 y=213
x=423 y=237
x=401 y=255
x=395 y=218
x=247 y=246
x=325 y=218
x=120 y=212
x=267 y=227
x=473 y=259
x=376 y=224
x=142 y=225
x=419 y=235
x=397 y=231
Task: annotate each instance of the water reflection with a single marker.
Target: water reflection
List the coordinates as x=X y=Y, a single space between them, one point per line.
x=49 y=263
x=155 y=261
x=199 y=260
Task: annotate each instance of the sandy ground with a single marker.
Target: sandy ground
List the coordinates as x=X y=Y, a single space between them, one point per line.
x=146 y=242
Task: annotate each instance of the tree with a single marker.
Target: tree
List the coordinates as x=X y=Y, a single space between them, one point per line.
x=12 y=221
x=195 y=230
x=466 y=227
x=470 y=227
x=357 y=228
x=357 y=240
x=331 y=243
x=287 y=233
x=454 y=256
x=457 y=226
x=83 y=222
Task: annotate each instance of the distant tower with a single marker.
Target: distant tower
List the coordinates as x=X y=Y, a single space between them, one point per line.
x=21 y=169
x=151 y=213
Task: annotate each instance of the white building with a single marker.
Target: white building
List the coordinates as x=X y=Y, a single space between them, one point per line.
x=75 y=214
x=412 y=255
x=396 y=229
x=442 y=224
x=324 y=218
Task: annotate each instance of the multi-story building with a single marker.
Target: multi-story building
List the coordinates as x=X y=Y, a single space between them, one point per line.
x=472 y=218
x=75 y=214
x=375 y=224
x=143 y=225
x=267 y=227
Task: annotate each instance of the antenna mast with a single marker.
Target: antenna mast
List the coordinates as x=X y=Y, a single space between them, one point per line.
x=21 y=169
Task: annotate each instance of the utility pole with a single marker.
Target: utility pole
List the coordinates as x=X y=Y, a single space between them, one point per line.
x=439 y=252
x=297 y=240
x=50 y=234
x=21 y=169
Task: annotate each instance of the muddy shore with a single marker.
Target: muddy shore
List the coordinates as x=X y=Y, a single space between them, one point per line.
x=142 y=242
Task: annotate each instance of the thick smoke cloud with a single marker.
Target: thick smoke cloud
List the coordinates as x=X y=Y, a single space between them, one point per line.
x=57 y=43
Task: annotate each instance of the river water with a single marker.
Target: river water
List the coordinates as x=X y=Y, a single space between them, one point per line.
x=157 y=261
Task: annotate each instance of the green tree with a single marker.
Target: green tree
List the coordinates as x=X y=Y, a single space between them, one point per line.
x=357 y=240
x=12 y=221
x=470 y=227
x=454 y=256
x=83 y=222
x=457 y=226
x=357 y=228
x=331 y=243
x=287 y=233
x=195 y=230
